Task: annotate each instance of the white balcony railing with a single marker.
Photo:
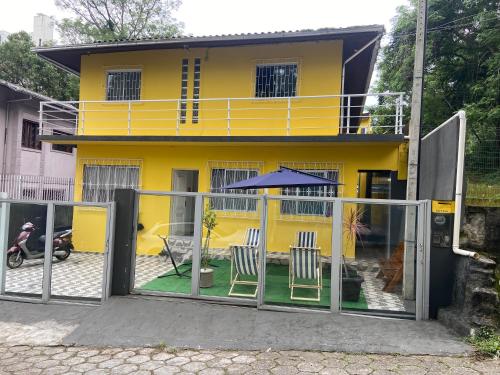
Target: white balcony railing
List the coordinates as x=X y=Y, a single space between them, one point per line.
x=299 y=115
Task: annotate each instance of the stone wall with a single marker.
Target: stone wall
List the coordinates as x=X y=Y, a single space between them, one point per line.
x=475 y=300
x=481 y=229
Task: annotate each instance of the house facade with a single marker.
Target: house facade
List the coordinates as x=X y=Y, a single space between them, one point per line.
x=195 y=114
x=26 y=162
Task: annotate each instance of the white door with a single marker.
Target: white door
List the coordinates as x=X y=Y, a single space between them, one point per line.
x=182 y=211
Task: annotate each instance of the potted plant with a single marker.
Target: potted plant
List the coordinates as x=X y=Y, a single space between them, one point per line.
x=351 y=280
x=207 y=273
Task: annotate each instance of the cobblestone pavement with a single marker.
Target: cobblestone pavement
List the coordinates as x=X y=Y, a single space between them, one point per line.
x=84 y=360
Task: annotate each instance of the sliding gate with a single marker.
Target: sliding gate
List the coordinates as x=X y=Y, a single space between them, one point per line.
x=44 y=276
x=284 y=252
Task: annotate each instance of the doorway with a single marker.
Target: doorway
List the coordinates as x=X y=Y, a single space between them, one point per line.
x=182 y=209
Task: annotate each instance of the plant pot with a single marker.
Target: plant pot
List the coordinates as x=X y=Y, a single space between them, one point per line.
x=351 y=284
x=206 y=278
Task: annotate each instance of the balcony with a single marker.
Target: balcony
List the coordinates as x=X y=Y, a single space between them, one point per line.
x=326 y=115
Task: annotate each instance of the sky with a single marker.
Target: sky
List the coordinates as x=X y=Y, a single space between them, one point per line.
x=208 y=17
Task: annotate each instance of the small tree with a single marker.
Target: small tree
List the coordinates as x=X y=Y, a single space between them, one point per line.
x=117 y=19
x=209 y=222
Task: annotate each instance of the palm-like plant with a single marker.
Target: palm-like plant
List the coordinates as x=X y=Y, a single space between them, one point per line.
x=209 y=222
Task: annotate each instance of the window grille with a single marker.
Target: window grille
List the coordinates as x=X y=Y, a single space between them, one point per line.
x=221 y=177
x=276 y=80
x=29 y=134
x=100 y=181
x=196 y=89
x=123 y=85
x=62 y=148
x=184 y=88
x=311 y=207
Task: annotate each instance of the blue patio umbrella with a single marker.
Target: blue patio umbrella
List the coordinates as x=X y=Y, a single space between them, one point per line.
x=284 y=177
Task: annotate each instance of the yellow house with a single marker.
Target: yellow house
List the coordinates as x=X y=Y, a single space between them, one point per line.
x=197 y=113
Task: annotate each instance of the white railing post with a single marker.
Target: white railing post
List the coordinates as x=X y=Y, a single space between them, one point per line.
x=83 y=118
x=288 y=116
x=129 y=119
x=178 y=120
x=348 y=114
x=400 y=114
x=228 y=116
x=40 y=120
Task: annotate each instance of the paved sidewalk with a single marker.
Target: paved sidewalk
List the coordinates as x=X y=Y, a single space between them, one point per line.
x=53 y=360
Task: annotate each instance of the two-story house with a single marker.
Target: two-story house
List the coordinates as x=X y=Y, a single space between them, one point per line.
x=31 y=169
x=197 y=113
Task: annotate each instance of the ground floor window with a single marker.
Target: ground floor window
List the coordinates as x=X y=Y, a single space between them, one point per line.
x=220 y=177
x=100 y=181
x=310 y=207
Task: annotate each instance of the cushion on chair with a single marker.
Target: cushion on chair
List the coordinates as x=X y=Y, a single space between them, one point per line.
x=305 y=263
x=245 y=260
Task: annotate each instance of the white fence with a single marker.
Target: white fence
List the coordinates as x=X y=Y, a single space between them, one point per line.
x=37 y=187
x=298 y=115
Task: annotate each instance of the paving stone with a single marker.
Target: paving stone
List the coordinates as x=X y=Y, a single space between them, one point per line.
x=411 y=370
x=238 y=368
x=150 y=365
x=187 y=353
x=177 y=361
x=73 y=361
x=138 y=359
x=211 y=371
x=333 y=371
x=284 y=370
x=258 y=372
x=465 y=371
x=194 y=366
x=19 y=366
x=334 y=363
x=84 y=367
x=166 y=370
x=310 y=366
x=219 y=362
x=245 y=359
x=99 y=358
x=124 y=354
x=389 y=372
x=163 y=356
x=19 y=348
x=226 y=354
x=97 y=371
x=56 y=370
x=87 y=353
x=203 y=357
x=46 y=364
x=63 y=355
x=126 y=368
x=268 y=355
x=146 y=351
x=53 y=350
x=358 y=369
x=263 y=364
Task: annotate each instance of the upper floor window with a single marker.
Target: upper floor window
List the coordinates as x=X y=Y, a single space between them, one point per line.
x=29 y=134
x=62 y=148
x=276 y=80
x=123 y=85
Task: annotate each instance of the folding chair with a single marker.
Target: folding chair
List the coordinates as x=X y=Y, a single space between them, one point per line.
x=305 y=264
x=244 y=262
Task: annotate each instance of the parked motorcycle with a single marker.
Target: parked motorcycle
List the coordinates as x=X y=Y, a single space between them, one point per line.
x=35 y=248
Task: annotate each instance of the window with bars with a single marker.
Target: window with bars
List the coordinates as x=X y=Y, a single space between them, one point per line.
x=290 y=207
x=29 y=134
x=184 y=90
x=123 y=85
x=100 y=181
x=62 y=148
x=196 y=89
x=276 y=80
x=221 y=177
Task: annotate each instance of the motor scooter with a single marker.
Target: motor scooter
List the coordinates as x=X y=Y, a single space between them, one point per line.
x=20 y=250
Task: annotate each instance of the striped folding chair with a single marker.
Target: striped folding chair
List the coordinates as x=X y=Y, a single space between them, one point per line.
x=305 y=264
x=244 y=262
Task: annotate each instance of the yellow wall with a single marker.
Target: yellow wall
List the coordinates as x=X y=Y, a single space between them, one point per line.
x=225 y=73
x=157 y=162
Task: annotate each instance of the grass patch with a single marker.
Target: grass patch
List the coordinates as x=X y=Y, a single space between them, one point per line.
x=486 y=342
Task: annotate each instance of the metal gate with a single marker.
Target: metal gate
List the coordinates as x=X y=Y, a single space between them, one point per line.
x=44 y=276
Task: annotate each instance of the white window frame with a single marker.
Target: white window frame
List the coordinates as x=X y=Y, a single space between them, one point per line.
x=296 y=191
x=110 y=71
x=108 y=186
x=225 y=201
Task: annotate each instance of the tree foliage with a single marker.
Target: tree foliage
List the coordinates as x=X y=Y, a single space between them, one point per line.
x=462 y=65
x=20 y=65
x=117 y=19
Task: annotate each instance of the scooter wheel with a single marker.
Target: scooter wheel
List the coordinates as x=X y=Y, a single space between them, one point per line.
x=14 y=260
x=64 y=256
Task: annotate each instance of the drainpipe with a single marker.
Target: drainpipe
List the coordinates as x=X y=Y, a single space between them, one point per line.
x=458 y=190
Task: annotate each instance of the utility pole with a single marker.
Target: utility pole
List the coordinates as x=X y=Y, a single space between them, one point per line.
x=413 y=151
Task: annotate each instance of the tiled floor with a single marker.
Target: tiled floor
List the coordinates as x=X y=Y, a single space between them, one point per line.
x=81 y=276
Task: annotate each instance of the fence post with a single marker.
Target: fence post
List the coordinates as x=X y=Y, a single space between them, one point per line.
x=178 y=124
x=288 y=117
x=348 y=114
x=47 y=262
x=400 y=114
x=197 y=245
x=228 y=116
x=129 y=116
x=4 y=239
x=40 y=120
x=336 y=271
x=83 y=118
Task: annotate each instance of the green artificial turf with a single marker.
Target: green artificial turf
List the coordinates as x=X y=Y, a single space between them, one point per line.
x=277 y=290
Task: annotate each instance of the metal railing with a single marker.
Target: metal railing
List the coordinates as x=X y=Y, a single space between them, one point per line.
x=26 y=187
x=299 y=115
